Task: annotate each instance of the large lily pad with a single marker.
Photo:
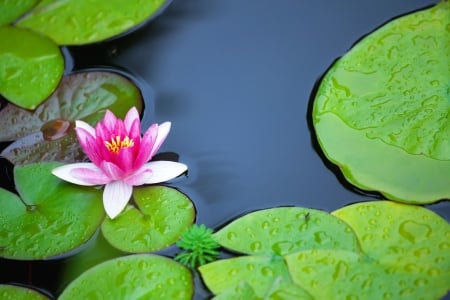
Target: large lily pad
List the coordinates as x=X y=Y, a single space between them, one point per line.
x=49 y=217
x=11 y=10
x=328 y=274
x=283 y=230
x=401 y=234
x=28 y=75
x=142 y=276
x=75 y=22
x=46 y=134
x=381 y=112
x=161 y=217
x=14 y=292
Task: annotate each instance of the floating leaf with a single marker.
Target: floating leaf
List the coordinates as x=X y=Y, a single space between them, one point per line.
x=49 y=217
x=46 y=134
x=142 y=276
x=400 y=234
x=162 y=215
x=31 y=66
x=259 y=272
x=285 y=230
x=338 y=274
x=11 y=10
x=381 y=112
x=242 y=291
x=14 y=292
x=75 y=22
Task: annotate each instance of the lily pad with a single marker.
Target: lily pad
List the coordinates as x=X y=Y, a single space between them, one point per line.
x=381 y=111
x=11 y=10
x=14 y=292
x=162 y=215
x=339 y=274
x=401 y=234
x=46 y=134
x=259 y=272
x=28 y=75
x=49 y=217
x=283 y=230
x=74 y=22
x=139 y=276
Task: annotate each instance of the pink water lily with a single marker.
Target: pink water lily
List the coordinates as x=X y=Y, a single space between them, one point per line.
x=120 y=158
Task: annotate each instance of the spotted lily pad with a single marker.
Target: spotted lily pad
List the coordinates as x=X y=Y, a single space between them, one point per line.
x=75 y=22
x=11 y=10
x=28 y=75
x=48 y=217
x=229 y=275
x=339 y=274
x=401 y=234
x=381 y=112
x=283 y=230
x=139 y=276
x=14 y=292
x=46 y=134
x=161 y=216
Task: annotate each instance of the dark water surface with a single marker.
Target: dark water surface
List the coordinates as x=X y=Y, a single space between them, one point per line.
x=236 y=78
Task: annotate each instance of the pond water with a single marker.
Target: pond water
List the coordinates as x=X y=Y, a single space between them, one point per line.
x=236 y=79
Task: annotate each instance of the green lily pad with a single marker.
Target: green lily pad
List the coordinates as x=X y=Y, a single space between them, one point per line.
x=49 y=217
x=11 y=10
x=46 y=134
x=14 y=292
x=242 y=291
x=401 y=234
x=381 y=111
x=28 y=75
x=139 y=276
x=162 y=215
x=339 y=274
x=74 y=22
x=283 y=230
x=259 y=272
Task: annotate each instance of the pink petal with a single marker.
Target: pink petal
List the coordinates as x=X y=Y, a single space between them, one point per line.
x=161 y=171
x=112 y=171
x=163 y=131
x=115 y=197
x=85 y=126
x=109 y=120
x=131 y=117
x=81 y=173
x=146 y=146
x=140 y=177
x=125 y=160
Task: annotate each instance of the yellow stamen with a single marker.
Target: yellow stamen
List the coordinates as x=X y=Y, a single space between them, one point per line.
x=116 y=144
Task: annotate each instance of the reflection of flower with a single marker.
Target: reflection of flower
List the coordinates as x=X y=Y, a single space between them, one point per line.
x=120 y=158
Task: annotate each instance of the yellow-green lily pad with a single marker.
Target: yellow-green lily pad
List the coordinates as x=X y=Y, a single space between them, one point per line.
x=31 y=66
x=10 y=10
x=46 y=133
x=14 y=292
x=401 y=234
x=381 y=113
x=283 y=230
x=139 y=276
x=338 y=274
x=74 y=22
x=161 y=216
x=48 y=217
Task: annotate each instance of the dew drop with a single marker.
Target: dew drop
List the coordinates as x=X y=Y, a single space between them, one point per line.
x=255 y=246
x=267 y=272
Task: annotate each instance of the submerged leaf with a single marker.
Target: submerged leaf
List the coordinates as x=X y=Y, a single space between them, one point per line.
x=31 y=66
x=283 y=230
x=74 y=22
x=48 y=217
x=142 y=276
x=162 y=215
x=381 y=112
x=46 y=134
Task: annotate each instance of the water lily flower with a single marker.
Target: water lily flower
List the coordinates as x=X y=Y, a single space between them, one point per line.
x=120 y=158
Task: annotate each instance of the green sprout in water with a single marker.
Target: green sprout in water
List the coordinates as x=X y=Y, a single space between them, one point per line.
x=199 y=245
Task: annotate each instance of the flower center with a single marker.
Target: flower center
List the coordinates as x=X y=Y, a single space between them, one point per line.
x=116 y=144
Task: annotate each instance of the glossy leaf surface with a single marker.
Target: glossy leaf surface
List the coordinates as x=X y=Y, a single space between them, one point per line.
x=381 y=112
x=11 y=10
x=49 y=217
